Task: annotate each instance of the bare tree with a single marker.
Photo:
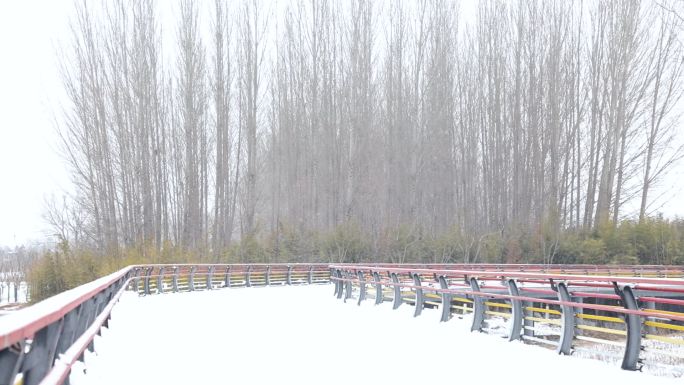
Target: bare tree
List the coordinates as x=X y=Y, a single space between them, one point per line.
x=191 y=102
x=226 y=174
x=665 y=91
x=253 y=22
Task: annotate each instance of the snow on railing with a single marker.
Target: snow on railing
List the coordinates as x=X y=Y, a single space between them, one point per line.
x=40 y=343
x=625 y=313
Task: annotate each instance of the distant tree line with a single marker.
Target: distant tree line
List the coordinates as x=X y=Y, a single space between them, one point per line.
x=356 y=130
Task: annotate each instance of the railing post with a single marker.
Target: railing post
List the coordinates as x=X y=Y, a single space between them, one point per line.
x=446 y=299
x=175 y=279
x=268 y=275
x=210 y=277
x=248 y=275
x=68 y=335
x=362 y=286
x=397 y=292
x=378 y=288
x=478 y=306
x=136 y=279
x=340 y=289
x=148 y=273
x=651 y=306
x=527 y=323
x=226 y=279
x=289 y=275
x=419 y=295
x=85 y=317
x=348 y=285
x=160 y=280
x=516 y=312
x=336 y=281
x=97 y=300
x=41 y=354
x=309 y=278
x=191 y=278
x=11 y=360
x=568 y=321
x=631 y=359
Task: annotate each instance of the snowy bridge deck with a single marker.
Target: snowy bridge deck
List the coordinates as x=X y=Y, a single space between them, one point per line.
x=280 y=332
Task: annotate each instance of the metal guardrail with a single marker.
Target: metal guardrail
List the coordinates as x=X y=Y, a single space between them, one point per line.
x=623 y=308
x=40 y=343
x=155 y=279
x=662 y=271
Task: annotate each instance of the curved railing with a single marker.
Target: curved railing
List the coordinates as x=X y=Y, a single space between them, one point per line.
x=151 y=279
x=40 y=343
x=662 y=271
x=563 y=306
x=631 y=314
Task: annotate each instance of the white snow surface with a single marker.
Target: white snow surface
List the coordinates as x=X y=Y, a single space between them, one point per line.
x=304 y=335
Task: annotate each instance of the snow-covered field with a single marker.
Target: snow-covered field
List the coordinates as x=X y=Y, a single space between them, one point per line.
x=303 y=335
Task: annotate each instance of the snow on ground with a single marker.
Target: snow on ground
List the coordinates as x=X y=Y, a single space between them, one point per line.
x=303 y=335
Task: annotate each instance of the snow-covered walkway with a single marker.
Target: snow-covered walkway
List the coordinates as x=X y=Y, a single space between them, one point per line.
x=303 y=335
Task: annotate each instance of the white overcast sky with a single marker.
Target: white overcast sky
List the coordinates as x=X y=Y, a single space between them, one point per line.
x=30 y=168
x=30 y=98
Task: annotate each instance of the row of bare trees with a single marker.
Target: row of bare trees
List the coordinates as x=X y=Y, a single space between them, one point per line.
x=507 y=118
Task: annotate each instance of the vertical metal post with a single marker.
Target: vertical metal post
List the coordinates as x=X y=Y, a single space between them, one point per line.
x=348 y=285
x=362 y=286
x=446 y=299
x=378 y=288
x=631 y=359
x=397 y=291
x=527 y=323
x=579 y=310
x=289 y=275
x=336 y=281
x=191 y=278
x=419 y=295
x=478 y=307
x=516 y=321
x=160 y=280
x=147 y=280
x=650 y=305
x=68 y=335
x=309 y=278
x=11 y=359
x=226 y=278
x=340 y=288
x=248 y=275
x=568 y=321
x=136 y=274
x=210 y=278
x=85 y=318
x=175 y=279
x=268 y=275
x=40 y=357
